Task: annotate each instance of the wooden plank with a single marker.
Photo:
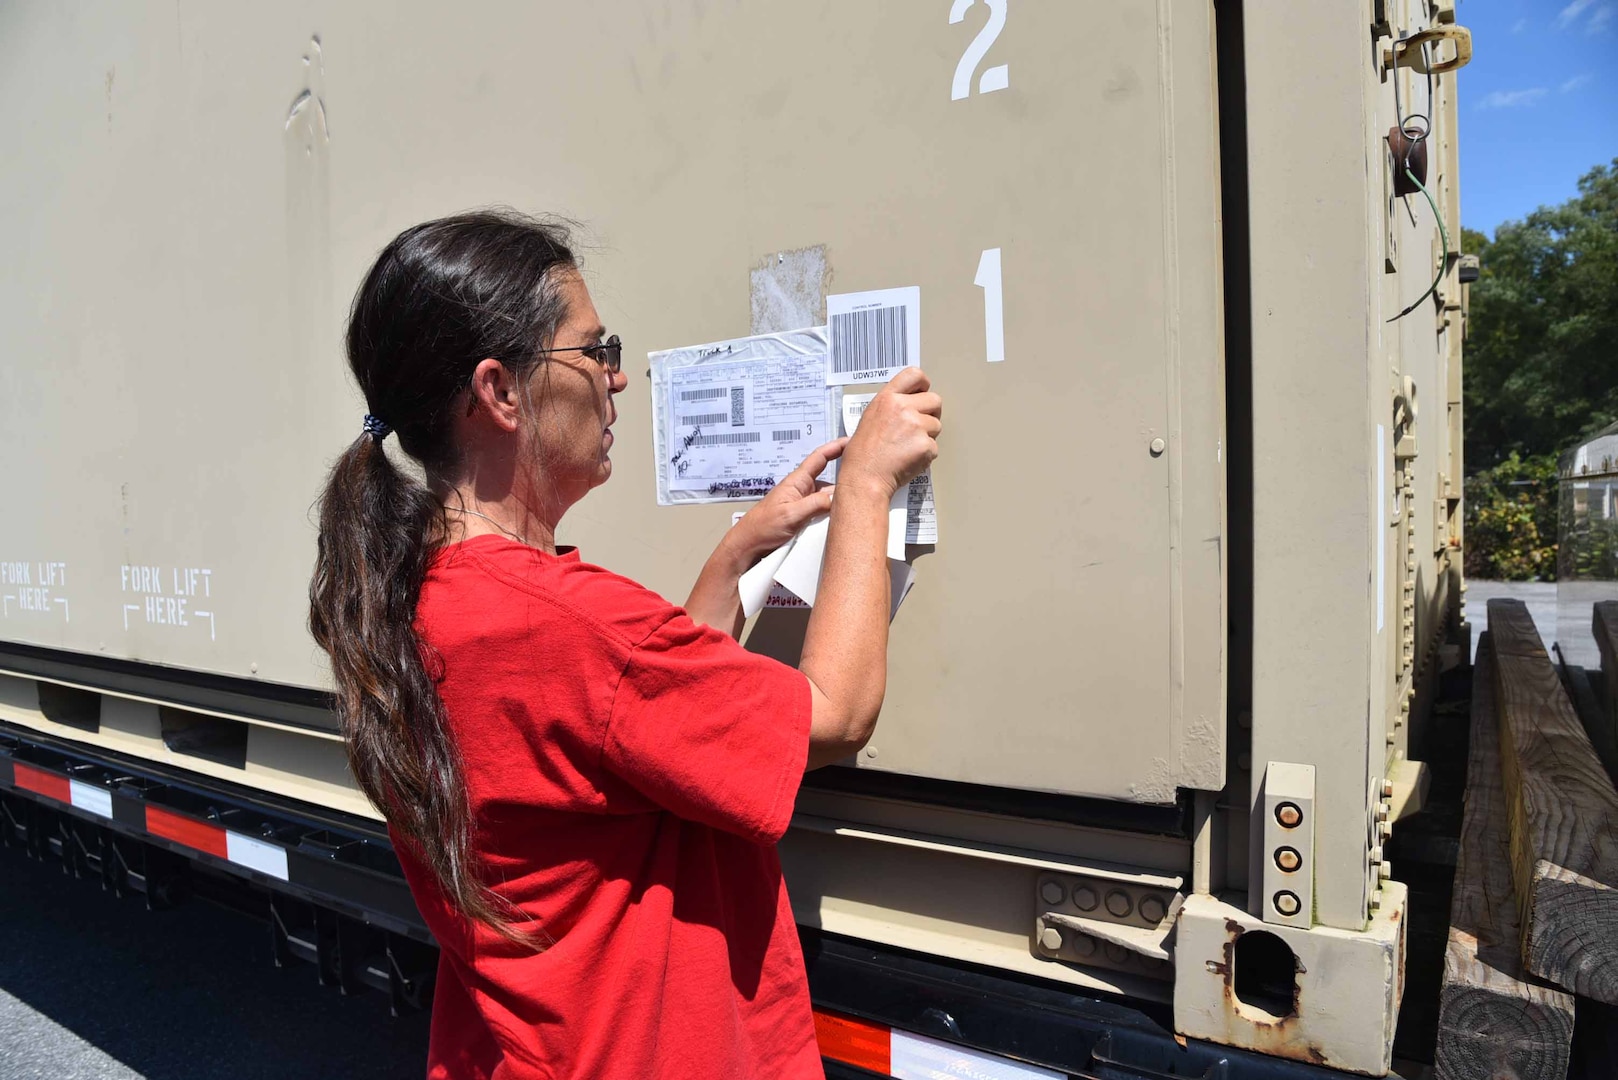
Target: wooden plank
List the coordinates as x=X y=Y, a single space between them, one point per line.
x=1493 y=1019
x=1561 y=816
x=1604 y=625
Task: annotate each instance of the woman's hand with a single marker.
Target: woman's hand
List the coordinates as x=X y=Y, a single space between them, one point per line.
x=788 y=507
x=897 y=437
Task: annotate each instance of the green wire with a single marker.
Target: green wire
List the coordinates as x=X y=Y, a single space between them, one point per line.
x=1443 y=260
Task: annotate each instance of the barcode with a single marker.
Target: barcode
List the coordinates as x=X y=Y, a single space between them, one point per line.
x=703 y=395
x=792 y=435
x=737 y=400
x=730 y=438
x=869 y=340
x=705 y=418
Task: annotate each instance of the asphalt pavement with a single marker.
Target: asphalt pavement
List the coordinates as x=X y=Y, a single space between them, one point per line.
x=94 y=987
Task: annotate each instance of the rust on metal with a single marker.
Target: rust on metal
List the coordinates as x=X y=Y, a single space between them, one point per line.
x=1265 y=1032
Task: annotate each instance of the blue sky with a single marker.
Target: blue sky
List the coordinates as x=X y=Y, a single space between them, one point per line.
x=1538 y=103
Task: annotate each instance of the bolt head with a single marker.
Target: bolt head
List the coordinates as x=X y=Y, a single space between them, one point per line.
x=1050 y=939
x=1288 y=859
x=1119 y=905
x=1052 y=892
x=1085 y=898
x=1152 y=909
x=1287 y=903
x=1289 y=815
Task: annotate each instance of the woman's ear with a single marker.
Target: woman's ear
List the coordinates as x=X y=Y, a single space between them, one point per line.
x=495 y=394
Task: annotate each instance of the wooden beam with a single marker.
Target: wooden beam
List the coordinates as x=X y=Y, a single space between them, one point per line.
x=1604 y=625
x=1561 y=816
x=1493 y=1018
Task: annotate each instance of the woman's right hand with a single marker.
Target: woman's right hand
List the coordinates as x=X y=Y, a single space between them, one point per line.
x=897 y=437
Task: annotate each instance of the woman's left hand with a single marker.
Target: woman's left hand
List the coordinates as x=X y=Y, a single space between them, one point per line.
x=788 y=507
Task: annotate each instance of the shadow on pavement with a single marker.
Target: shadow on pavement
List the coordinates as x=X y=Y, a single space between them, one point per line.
x=186 y=994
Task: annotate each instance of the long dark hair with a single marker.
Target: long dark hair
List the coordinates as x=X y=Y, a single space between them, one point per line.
x=441 y=297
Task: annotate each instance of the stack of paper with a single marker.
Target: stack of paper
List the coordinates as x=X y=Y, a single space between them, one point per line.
x=795 y=566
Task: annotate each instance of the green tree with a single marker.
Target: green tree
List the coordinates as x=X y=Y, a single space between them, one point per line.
x=1542 y=342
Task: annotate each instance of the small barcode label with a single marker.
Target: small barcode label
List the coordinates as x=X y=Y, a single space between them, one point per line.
x=737 y=401
x=790 y=435
x=707 y=394
x=871 y=340
x=704 y=418
x=730 y=438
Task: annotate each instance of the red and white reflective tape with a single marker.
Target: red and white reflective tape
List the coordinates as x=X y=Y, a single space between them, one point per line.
x=96 y=800
x=218 y=841
x=905 y=1056
x=204 y=836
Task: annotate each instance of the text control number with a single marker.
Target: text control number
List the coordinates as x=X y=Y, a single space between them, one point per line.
x=995 y=78
x=994 y=318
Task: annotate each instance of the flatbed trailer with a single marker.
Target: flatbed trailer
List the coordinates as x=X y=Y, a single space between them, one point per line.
x=1155 y=694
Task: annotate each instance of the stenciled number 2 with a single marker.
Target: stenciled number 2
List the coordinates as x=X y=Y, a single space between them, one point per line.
x=995 y=78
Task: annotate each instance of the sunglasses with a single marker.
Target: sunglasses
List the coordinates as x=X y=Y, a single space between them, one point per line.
x=609 y=354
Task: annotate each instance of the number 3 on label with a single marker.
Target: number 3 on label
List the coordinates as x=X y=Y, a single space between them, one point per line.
x=996 y=78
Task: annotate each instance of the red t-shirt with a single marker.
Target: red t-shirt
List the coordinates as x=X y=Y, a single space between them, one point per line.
x=630 y=773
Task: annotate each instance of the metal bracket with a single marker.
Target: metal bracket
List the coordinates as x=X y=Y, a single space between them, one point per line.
x=1408 y=52
x=1289 y=845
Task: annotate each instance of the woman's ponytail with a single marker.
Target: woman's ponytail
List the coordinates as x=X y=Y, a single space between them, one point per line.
x=440 y=298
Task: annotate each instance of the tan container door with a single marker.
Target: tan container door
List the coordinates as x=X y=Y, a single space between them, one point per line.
x=195 y=223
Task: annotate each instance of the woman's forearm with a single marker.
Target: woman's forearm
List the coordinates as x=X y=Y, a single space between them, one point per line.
x=845 y=651
x=715 y=599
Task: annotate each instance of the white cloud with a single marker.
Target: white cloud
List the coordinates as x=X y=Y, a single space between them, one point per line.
x=1577 y=81
x=1519 y=26
x=1570 y=14
x=1600 y=17
x=1510 y=99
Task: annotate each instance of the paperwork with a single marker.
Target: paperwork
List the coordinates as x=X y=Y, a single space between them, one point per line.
x=873 y=334
x=912 y=518
x=795 y=566
x=732 y=418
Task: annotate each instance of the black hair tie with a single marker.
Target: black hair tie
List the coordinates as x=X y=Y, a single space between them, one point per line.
x=376 y=427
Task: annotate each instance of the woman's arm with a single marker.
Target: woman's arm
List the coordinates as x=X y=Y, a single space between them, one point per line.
x=845 y=651
x=715 y=600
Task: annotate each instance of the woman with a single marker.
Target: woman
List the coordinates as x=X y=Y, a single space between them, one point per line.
x=585 y=783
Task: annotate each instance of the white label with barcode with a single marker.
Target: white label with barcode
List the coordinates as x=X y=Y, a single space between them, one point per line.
x=738 y=428
x=871 y=335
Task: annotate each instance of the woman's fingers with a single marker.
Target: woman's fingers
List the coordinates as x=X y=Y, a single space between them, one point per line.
x=910 y=380
x=799 y=511
x=928 y=402
x=815 y=463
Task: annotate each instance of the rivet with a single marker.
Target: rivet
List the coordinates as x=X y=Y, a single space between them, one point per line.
x=1287 y=903
x=1119 y=903
x=1052 y=892
x=1288 y=859
x=870 y=751
x=1051 y=939
x=1152 y=909
x=1158 y=446
x=1085 y=898
x=1289 y=816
